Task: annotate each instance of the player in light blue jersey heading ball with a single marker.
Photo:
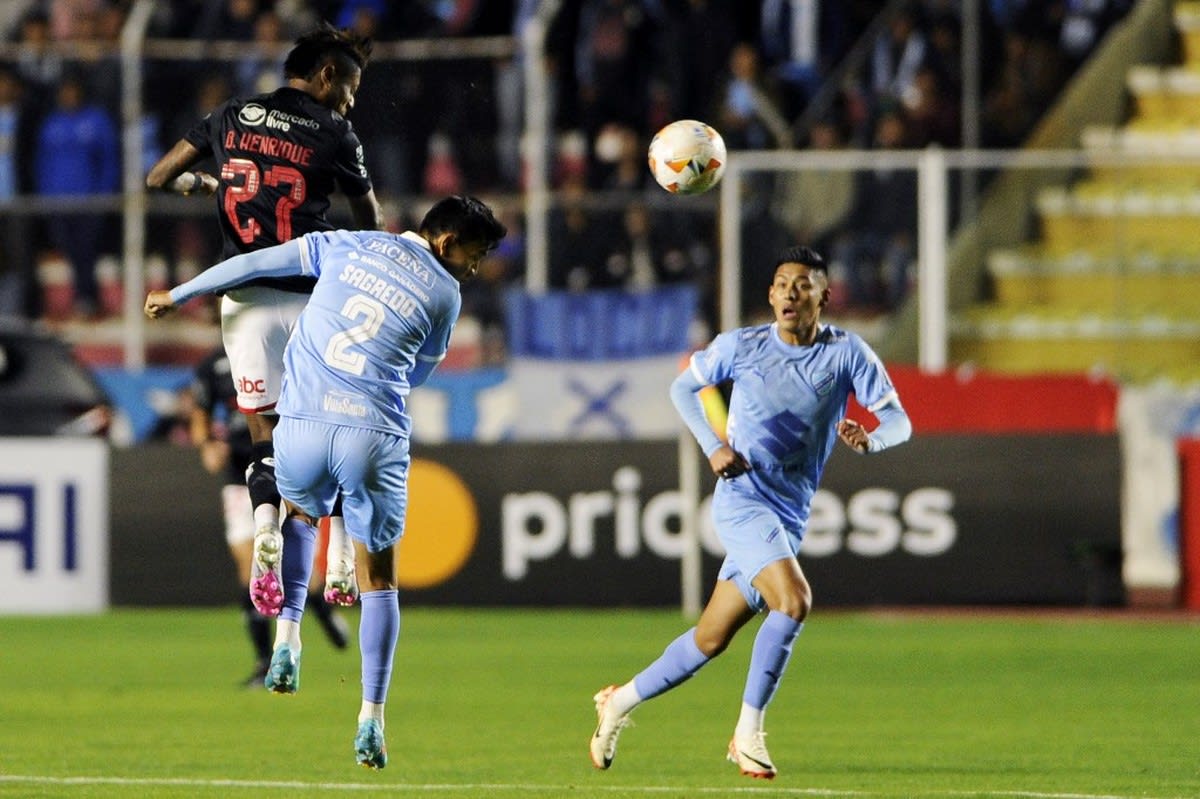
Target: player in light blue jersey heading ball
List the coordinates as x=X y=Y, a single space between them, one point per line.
x=792 y=379
x=377 y=323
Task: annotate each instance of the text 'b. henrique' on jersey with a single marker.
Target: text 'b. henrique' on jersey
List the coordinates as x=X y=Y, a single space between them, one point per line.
x=280 y=155
x=382 y=302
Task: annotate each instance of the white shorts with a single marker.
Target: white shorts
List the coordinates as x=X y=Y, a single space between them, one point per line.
x=256 y=322
x=239 y=516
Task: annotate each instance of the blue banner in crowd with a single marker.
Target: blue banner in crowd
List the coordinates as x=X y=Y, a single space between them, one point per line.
x=146 y=397
x=600 y=325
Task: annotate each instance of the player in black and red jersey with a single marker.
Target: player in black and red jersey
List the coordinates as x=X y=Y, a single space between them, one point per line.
x=280 y=156
x=222 y=439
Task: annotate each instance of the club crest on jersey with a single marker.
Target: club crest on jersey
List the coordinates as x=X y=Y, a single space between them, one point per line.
x=252 y=114
x=822 y=381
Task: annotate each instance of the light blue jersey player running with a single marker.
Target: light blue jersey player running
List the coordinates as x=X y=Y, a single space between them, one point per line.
x=378 y=322
x=791 y=383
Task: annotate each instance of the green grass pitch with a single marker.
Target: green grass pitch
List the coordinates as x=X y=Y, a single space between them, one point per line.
x=497 y=703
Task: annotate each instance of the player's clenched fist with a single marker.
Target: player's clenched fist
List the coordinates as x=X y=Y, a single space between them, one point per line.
x=158 y=304
x=854 y=435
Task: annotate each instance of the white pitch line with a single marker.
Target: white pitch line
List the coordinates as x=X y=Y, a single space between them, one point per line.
x=430 y=787
x=527 y=787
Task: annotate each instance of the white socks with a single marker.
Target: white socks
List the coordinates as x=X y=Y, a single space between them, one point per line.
x=371 y=710
x=624 y=699
x=340 y=552
x=750 y=721
x=287 y=632
x=266 y=515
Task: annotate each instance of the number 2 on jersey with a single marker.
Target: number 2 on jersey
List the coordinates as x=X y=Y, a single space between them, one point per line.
x=337 y=352
x=252 y=181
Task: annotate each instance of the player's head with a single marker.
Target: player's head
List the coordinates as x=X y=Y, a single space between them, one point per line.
x=328 y=63
x=461 y=230
x=799 y=289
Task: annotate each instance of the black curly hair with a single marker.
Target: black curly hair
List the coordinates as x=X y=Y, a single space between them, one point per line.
x=467 y=217
x=347 y=50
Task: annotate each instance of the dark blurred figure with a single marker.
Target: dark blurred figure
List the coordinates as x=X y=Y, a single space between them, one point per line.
x=1032 y=72
x=225 y=19
x=219 y=433
x=672 y=248
x=77 y=155
x=580 y=241
x=932 y=110
x=15 y=247
x=100 y=24
x=620 y=159
x=38 y=65
x=944 y=55
x=801 y=40
x=442 y=174
x=896 y=56
x=259 y=69
x=878 y=242
x=390 y=114
x=746 y=113
x=614 y=54
x=697 y=39
x=813 y=203
x=483 y=297
x=509 y=87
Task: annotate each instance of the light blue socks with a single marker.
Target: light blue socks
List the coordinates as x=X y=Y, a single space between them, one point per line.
x=769 y=658
x=679 y=661
x=378 y=632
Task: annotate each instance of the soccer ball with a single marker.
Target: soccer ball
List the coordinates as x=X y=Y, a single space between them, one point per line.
x=687 y=157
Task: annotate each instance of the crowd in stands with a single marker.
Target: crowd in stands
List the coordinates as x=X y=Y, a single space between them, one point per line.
x=620 y=69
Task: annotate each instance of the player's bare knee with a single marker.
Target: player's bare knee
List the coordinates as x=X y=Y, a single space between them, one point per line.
x=380 y=571
x=711 y=642
x=294 y=512
x=796 y=603
x=805 y=605
x=379 y=582
x=261 y=426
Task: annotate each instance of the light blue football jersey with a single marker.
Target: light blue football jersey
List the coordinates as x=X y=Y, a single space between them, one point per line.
x=785 y=406
x=382 y=302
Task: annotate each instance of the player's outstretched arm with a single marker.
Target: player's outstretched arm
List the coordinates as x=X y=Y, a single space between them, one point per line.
x=282 y=260
x=171 y=172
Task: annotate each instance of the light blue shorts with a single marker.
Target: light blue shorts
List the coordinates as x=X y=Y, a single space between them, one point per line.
x=753 y=536
x=313 y=460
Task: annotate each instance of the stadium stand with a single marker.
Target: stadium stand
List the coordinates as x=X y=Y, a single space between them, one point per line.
x=1110 y=281
x=406 y=119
